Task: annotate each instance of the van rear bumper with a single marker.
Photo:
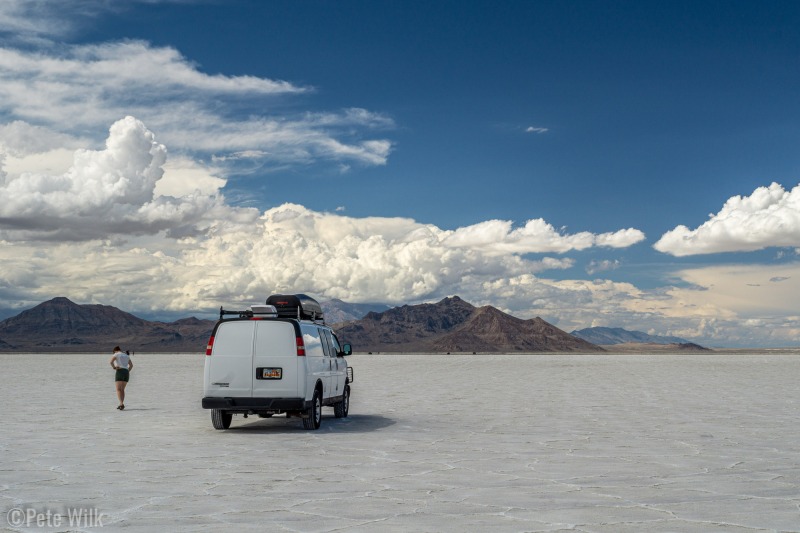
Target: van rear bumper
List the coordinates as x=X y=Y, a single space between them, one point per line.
x=254 y=404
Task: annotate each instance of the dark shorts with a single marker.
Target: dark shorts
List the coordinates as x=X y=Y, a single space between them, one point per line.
x=122 y=374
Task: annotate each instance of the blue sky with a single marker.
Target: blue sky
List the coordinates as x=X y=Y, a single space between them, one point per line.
x=628 y=164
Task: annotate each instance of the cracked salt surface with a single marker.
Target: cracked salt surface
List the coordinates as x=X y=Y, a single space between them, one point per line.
x=594 y=443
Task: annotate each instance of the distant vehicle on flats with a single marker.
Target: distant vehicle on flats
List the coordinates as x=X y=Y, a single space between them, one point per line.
x=278 y=358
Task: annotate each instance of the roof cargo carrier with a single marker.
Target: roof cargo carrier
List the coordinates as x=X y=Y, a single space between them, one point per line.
x=299 y=306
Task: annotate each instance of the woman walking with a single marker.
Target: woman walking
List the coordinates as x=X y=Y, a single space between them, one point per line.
x=121 y=362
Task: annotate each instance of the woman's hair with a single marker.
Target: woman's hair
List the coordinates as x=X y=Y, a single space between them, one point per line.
x=117 y=349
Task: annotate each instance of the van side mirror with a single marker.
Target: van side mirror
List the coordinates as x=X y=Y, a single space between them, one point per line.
x=346 y=349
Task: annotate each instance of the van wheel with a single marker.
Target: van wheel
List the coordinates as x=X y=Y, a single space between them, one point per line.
x=221 y=419
x=315 y=412
x=340 y=409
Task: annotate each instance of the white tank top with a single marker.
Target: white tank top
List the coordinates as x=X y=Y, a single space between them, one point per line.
x=122 y=360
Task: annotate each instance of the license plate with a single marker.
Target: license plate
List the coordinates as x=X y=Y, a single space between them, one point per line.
x=271 y=373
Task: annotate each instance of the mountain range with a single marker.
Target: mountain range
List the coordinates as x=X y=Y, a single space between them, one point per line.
x=451 y=325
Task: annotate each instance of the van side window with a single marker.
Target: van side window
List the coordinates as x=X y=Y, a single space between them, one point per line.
x=337 y=348
x=312 y=341
x=329 y=343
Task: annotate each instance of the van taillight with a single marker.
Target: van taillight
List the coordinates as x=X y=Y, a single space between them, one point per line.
x=210 y=345
x=301 y=347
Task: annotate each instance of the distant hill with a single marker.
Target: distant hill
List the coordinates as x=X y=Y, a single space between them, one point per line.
x=336 y=311
x=653 y=348
x=453 y=325
x=62 y=325
x=608 y=336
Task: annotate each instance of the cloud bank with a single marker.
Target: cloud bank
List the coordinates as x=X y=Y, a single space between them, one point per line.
x=173 y=219
x=768 y=217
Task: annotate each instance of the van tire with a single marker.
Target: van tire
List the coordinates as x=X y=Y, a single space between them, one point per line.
x=221 y=419
x=314 y=412
x=340 y=409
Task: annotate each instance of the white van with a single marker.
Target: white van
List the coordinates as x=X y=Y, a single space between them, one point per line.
x=273 y=359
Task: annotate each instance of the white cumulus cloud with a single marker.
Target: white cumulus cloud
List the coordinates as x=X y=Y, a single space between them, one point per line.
x=768 y=217
x=106 y=192
x=536 y=236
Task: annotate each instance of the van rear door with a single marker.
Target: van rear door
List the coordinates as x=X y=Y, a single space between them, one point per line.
x=276 y=361
x=230 y=365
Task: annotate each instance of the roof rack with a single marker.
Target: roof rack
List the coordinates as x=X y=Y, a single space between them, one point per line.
x=250 y=313
x=242 y=314
x=297 y=306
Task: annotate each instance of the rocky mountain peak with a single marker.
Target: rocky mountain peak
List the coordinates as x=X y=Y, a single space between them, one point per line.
x=453 y=325
x=63 y=316
x=64 y=325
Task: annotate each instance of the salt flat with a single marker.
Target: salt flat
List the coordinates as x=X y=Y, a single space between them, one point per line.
x=605 y=443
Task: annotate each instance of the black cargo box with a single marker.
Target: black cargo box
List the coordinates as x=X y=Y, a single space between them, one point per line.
x=296 y=306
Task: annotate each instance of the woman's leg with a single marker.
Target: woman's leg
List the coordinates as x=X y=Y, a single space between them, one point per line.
x=120 y=391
